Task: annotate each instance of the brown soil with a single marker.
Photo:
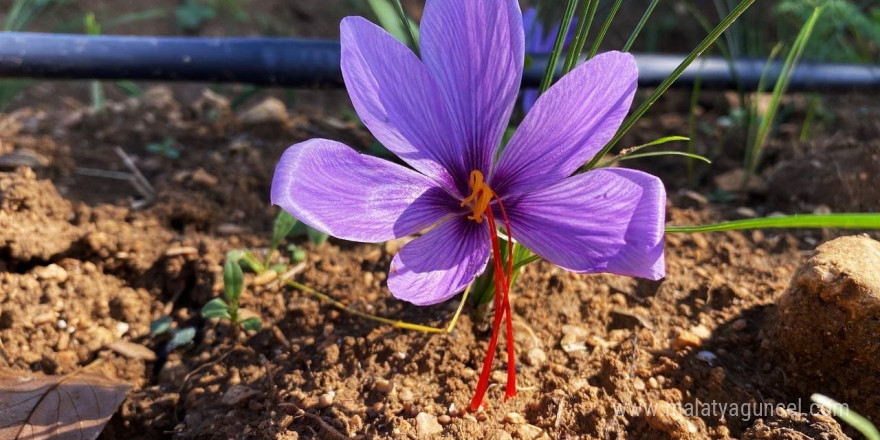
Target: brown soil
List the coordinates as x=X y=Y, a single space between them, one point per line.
x=83 y=265
x=86 y=261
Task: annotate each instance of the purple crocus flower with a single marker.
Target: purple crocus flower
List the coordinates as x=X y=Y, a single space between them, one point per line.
x=538 y=42
x=444 y=115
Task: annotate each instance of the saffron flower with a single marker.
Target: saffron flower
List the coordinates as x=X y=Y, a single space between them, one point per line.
x=444 y=115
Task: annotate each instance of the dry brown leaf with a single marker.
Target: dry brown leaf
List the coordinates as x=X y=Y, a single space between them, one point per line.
x=75 y=406
x=132 y=350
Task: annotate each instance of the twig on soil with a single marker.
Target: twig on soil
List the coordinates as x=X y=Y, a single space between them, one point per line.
x=299 y=412
x=273 y=390
x=142 y=184
x=559 y=410
x=392 y=322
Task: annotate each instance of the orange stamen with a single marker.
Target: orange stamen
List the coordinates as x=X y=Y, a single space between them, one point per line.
x=479 y=199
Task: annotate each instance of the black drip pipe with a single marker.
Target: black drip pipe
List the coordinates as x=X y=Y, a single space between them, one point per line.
x=292 y=62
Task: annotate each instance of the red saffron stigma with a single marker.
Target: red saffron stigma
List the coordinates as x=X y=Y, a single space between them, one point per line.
x=502 y=308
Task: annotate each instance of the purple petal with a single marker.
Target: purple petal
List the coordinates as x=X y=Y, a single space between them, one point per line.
x=643 y=254
x=601 y=221
x=475 y=49
x=340 y=192
x=569 y=124
x=399 y=101
x=441 y=263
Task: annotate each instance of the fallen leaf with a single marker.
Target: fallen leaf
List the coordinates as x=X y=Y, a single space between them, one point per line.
x=75 y=406
x=132 y=350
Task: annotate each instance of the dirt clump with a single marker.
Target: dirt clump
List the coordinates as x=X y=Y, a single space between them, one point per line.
x=827 y=322
x=30 y=211
x=843 y=176
x=792 y=425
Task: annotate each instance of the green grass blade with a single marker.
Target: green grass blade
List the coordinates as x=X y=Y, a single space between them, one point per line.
x=607 y=24
x=797 y=221
x=390 y=20
x=580 y=36
x=794 y=55
x=655 y=142
x=564 y=26
x=847 y=415
x=404 y=22
x=134 y=17
x=661 y=89
x=692 y=125
x=661 y=153
x=751 y=135
x=635 y=33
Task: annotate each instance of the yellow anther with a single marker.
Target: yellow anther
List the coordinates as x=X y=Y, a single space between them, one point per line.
x=479 y=197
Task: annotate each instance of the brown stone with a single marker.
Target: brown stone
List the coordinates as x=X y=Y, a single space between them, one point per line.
x=824 y=332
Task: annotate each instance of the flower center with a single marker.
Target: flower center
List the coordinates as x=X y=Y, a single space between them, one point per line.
x=479 y=198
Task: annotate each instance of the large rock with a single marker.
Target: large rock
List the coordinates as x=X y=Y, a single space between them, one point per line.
x=826 y=332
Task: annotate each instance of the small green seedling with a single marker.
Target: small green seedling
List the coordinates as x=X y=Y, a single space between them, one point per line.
x=179 y=336
x=849 y=416
x=192 y=15
x=165 y=148
x=227 y=307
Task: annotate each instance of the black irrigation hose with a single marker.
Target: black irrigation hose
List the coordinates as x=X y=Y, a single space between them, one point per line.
x=291 y=62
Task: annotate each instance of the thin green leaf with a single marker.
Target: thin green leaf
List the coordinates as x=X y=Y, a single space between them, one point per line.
x=133 y=17
x=794 y=55
x=607 y=24
x=638 y=29
x=659 y=153
x=316 y=237
x=797 y=221
x=216 y=308
x=130 y=88
x=182 y=337
x=585 y=21
x=233 y=282
x=252 y=323
x=661 y=89
x=160 y=325
x=849 y=416
x=390 y=20
x=564 y=26
x=692 y=124
x=655 y=142
x=751 y=136
x=410 y=33
x=284 y=223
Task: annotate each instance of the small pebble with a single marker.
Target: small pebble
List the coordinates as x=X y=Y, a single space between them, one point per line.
x=406 y=395
x=384 y=386
x=427 y=424
x=535 y=357
x=530 y=432
x=739 y=324
x=638 y=384
x=746 y=212
x=499 y=376
x=707 y=357
x=325 y=400
x=444 y=419
x=652 y=382
x=701 y=331
x=514 y=418
x=686 y=339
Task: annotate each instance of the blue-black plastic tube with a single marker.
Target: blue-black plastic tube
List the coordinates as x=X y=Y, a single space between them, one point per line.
x=291 y=62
